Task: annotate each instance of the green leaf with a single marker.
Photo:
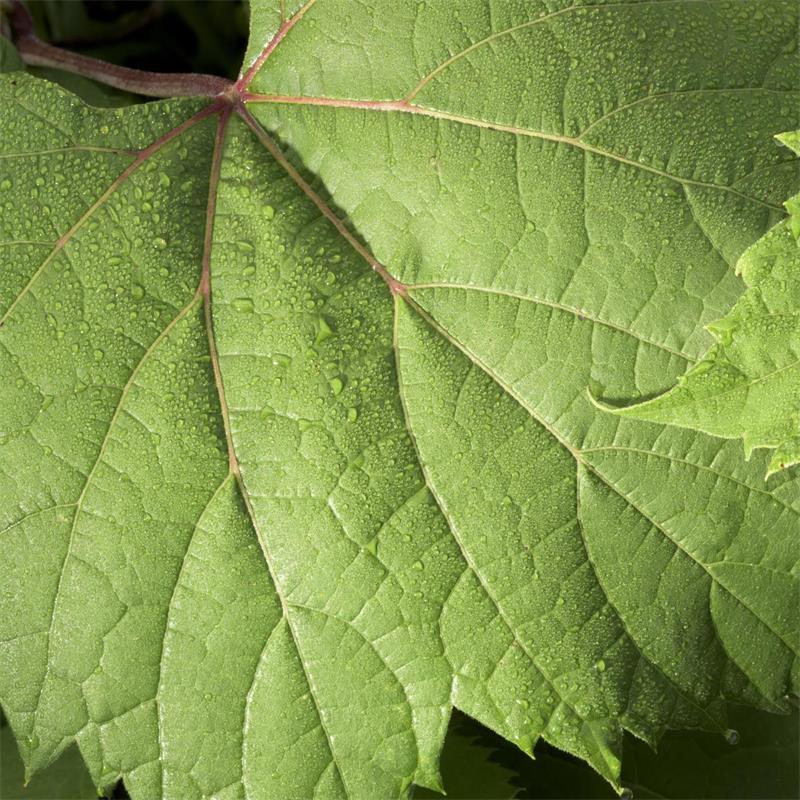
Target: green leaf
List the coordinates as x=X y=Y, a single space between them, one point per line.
x=748 y=384
x=67 y=779
x=297 y=449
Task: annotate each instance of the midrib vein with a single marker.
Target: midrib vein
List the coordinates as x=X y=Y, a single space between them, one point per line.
x=405 y=107
x=473 y=568
x=233 y=460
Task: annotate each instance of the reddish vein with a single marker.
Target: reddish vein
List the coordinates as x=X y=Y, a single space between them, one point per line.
x=205 y=286
x=286 y=26
x=395 y=286
x=140 y=159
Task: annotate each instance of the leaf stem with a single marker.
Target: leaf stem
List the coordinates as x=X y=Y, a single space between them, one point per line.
x=34 y=52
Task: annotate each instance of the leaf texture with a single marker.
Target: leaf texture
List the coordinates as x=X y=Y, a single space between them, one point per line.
x=748 y=384
x=297 y=449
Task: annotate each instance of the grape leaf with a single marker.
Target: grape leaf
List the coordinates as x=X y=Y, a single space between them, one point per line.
x=748 y=384
x=297 y=449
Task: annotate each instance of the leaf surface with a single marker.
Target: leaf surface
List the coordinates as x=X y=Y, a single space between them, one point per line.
x=297 y=449
x=748 y=384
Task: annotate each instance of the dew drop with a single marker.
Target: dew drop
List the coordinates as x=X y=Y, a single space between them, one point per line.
x=159 y=243
x=137 y=292
x=732 y=736
x=323 y=330
x=243 y=304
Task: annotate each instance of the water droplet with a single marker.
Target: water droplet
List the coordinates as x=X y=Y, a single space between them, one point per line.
x=336 y=385
x=268 y=211
x=352 y=414
x=372 y=546
x=601 y=665
x=137 y=291
x=418 y=565
x=243 y=304
x=732 y=736
x=163 y=180
x=159 y=243
x=5 y=184
x=244 y=247
x=323 y=330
